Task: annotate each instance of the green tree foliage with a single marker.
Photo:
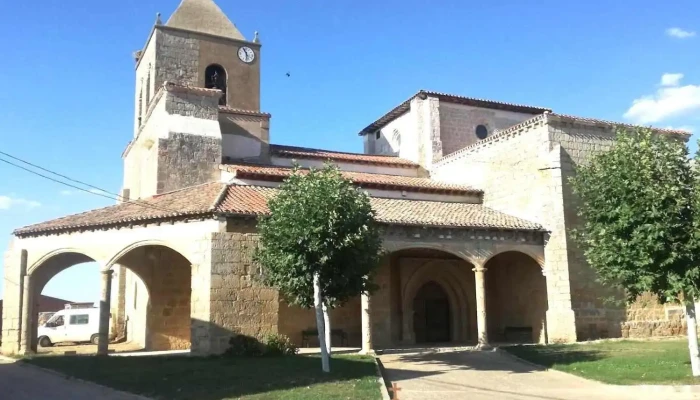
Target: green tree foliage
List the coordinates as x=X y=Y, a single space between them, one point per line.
x=319 y=223
x=640 y=216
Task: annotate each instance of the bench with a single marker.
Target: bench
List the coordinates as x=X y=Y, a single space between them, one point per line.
x=309 y=333
x=518 y=334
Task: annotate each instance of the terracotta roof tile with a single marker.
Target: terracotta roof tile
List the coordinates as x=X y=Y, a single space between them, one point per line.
x=395 y=182
x=449 y=98
x=195 y=200
x=217 y=198
x=318 y=154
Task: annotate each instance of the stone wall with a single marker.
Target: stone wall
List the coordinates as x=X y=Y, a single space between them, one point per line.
x=519 y=171
x=177 y=57
x=458 y=124
x=293 y=320
x=239 y=304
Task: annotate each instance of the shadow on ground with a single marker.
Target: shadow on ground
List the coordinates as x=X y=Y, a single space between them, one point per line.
x=212 y=378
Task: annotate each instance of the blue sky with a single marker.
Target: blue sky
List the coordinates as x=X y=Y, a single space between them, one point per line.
x=67 y=77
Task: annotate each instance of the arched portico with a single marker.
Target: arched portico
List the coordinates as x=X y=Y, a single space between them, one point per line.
x=159 y=316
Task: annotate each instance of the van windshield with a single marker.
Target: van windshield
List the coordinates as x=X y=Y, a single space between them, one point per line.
x=55 y=321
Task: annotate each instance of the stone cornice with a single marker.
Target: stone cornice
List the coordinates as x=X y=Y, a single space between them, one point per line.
x=417 y=233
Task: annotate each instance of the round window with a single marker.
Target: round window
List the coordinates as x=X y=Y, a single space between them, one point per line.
x=482 y=131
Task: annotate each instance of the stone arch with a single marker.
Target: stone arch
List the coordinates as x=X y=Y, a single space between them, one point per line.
x=160 y=318
x=216 y=77
x=462 y=315
x=41 y=272
x=536 y=256
x=143 y=243
x=516 y=298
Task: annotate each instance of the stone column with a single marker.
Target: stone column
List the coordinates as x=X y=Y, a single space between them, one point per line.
x=103 y=344
x=25 y=344
x=481 y=322
x=366 y=325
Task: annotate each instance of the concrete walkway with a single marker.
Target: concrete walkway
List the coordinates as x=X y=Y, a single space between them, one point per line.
x=25 y=382
x=476 y=375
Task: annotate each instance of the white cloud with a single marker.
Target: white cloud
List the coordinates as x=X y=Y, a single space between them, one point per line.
x=667 y=102
x=679 y=33
x=671 y=79
x=7 y=202
x=66 y=193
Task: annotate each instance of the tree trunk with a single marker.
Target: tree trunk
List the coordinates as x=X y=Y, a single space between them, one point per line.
x=692 y=335
x=320 y=324
x=327 y=323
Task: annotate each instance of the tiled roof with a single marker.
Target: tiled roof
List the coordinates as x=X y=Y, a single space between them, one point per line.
x=231 y=110
x=367 y=180
x=191 y=201
x=449 y=98
x=318 y=154
x=215 y=198
x=252 y=200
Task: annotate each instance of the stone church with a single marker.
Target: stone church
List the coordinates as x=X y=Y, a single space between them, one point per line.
x=472 y=195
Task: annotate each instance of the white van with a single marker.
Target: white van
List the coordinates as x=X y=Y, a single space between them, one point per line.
x=71 y=325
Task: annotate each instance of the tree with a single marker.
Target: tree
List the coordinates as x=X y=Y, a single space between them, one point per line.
x=640 y=206
x=319 y=245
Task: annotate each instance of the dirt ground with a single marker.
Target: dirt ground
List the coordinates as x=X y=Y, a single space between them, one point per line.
x=87 y=348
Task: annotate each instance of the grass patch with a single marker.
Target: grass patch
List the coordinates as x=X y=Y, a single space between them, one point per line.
x=616 y=362
x=217 y=378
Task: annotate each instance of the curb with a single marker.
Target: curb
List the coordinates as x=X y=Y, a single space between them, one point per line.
x=24 y=364
x=683 y=389
x=382 y=380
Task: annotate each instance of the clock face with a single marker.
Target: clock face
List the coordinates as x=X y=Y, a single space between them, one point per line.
x=246 y=54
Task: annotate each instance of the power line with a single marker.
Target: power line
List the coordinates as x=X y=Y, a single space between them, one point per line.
x=143 y=204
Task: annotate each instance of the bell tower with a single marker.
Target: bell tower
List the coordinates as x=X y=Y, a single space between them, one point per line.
x=197 y=101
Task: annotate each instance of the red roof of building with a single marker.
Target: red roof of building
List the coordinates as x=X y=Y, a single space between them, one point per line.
x=379 y=181
x=219 y=199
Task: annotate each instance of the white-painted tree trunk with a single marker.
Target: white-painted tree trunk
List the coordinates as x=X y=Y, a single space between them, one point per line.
x=692 y=336
x=320 y=324
x=327 y=322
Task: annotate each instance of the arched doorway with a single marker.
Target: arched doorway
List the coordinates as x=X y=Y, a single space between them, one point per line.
x=156 y=297
x=516 y=299
x=431 y=321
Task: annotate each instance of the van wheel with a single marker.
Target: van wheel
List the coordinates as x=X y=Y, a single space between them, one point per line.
x=44 y=341
x=95 y=339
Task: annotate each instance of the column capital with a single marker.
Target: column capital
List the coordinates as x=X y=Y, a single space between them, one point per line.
x=107 y=272
x=479 y=268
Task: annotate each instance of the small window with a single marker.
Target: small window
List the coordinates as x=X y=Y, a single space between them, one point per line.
x=82 y=319
x=482 y=132
x=58 y=321
x=379 y=135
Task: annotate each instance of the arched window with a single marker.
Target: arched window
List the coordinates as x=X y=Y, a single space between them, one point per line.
x=215 y=78
x=482 y=131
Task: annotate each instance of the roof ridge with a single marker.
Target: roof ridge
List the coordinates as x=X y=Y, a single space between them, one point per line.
x=335 y=151
x=404 y=107
x=616 y=123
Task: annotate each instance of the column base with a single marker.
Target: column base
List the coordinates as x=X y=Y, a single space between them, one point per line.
x=369 y=352
x=561 y=326
x=484 y=347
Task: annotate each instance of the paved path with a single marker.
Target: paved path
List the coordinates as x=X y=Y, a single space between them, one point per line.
x=25 y=382
x=476 y=375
